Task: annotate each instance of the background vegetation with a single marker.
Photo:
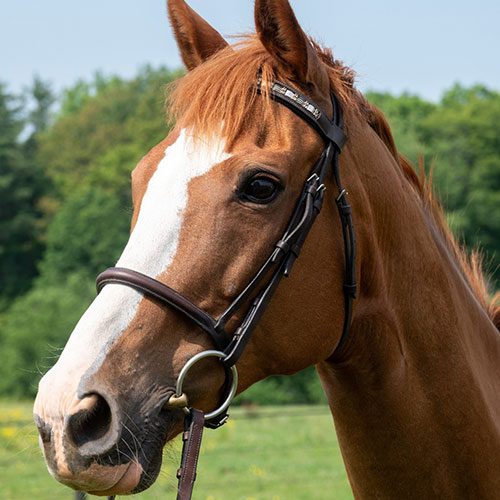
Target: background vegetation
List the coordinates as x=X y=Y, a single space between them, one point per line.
x=65 y=199
x=252 y=456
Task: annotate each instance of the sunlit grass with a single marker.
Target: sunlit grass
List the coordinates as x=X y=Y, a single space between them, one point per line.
x=267 y=454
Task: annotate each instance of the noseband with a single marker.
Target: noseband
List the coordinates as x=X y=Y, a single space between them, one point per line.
x=259 y=291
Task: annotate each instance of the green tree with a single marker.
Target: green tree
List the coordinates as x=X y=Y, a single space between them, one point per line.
x=22 y=185
x=87 y=235
x=301 y=388
x=75 y=98
x=107 y=113
x=35 y=328
x=43 y=98
x=405 y=114
x=463 y=136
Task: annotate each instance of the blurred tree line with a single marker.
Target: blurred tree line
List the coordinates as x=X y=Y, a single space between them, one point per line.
x=65 y=204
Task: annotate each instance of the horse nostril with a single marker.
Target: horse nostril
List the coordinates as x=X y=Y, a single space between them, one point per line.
x=90 y=422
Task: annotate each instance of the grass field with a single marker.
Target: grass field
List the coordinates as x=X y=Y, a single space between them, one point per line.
x=270 y=454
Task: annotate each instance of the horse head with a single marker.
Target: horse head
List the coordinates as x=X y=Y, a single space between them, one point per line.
x=210 y=203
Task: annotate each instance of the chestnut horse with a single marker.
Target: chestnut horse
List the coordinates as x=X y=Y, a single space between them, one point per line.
x=415 y=389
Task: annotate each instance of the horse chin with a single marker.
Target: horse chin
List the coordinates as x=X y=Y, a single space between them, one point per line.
x=128 y=483
x=149 y=474
x=151 y=458
x=103 y=481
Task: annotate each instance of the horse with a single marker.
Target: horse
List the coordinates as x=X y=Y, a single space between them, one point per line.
x=410 y=367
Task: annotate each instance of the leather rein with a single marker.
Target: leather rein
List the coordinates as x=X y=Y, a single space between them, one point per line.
x=261 y=288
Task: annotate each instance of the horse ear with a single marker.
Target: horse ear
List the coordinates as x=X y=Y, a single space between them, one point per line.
x=281 y=34
x=197 y=40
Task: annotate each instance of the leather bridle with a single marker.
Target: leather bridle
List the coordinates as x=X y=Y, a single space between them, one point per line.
x=261 y=288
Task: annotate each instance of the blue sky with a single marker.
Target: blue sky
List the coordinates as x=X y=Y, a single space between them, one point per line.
x=423 y=47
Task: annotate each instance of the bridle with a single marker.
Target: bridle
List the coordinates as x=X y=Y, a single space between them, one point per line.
x=262 y=286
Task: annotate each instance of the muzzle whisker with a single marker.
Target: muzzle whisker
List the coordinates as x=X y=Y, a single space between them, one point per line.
x=132 y=454
x=131 y=420
x=134 y=439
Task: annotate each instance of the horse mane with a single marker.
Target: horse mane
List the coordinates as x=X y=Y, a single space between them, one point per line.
x=216 y=97
x=471 y=265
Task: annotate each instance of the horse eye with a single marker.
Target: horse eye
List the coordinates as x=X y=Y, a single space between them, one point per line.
x=260 y=189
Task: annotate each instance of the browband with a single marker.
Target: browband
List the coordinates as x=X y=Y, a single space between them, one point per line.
x=310 y=112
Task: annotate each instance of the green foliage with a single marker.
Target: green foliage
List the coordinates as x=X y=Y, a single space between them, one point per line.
x=464 y=137
x=87 y=235
x=405 y=113
x=302 y=388
x=22 y=186
x=34 y=329
x=11 y=124
x=98 y=117
x=43 y=97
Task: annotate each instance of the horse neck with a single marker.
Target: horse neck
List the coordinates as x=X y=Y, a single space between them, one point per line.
x=415 y=395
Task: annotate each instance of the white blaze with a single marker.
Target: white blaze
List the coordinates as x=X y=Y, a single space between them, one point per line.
x=150 y=250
